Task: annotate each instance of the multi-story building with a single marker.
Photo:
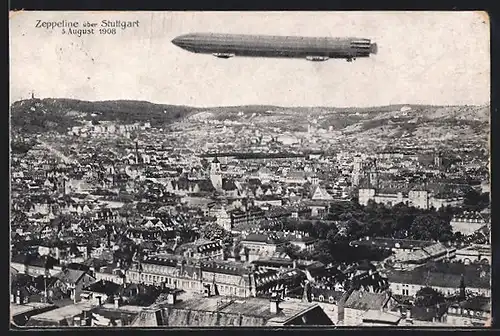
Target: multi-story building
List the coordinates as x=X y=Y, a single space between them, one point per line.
x=474 y=312
x=468 y=222
x=444 y=277
x=35 y=266
x=409 y=253
x=257 y=245
x=474 y=254
x=203 y=249
x=355 y=305
x=244 y=218
x=223 y=277
x=418 y=198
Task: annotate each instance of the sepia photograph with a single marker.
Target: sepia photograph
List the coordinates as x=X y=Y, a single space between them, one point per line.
x=189 y=169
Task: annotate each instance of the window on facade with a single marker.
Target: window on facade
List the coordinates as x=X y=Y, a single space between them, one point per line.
x=331 y=300
x=321 y=298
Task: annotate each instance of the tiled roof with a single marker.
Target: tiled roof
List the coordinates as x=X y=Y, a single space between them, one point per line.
x=258 y=237
x=218 y=311
x=103 y=286
x=70 y=276
x=381 y=316
x=225 y=267
x=435 y=249
x=164 y=260
x=446 y=275
x=362 y=300
x=477 y=303
x=326 y=293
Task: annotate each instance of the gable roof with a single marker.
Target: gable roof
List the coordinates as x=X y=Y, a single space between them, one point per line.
x=228 y=185
x=105 y=287
x=362 y=300
x=446 y=275
x=247 y=312
x=70 y=276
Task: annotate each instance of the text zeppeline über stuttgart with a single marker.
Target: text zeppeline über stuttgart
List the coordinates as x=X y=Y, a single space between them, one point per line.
x=77 y=24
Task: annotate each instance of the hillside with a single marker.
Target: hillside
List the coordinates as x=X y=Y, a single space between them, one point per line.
x=40 y=115
x=35 y=115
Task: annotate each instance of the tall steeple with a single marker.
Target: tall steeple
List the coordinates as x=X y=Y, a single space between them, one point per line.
x=215 y=174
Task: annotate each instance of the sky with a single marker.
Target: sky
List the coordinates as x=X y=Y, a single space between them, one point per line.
x=439 y=58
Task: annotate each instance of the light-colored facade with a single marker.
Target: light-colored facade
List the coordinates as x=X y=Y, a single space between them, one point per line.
x=474 y=254
x=467 y=223
x=229 y=278
x=418 y=198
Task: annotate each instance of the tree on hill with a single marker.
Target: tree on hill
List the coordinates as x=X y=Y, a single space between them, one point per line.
x=430 y=227
x=428 y=297
x=475 y=201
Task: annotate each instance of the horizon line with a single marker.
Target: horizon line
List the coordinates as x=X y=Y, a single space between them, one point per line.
x=254 y=104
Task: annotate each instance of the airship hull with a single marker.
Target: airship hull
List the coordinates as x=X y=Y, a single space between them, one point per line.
x=311 y=48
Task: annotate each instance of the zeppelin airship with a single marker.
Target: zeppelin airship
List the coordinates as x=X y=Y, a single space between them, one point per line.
x=309 y=48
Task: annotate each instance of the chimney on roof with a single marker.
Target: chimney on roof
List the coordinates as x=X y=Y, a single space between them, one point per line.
x=117 y=302
x=274 y=303
x=77 y=321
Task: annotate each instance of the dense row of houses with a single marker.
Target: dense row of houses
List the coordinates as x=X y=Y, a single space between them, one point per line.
x=114 y=238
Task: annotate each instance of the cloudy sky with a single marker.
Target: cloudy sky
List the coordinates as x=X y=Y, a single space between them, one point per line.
x=423 y=57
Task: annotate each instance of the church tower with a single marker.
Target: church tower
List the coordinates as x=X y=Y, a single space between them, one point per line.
x=357 y=171
x=215 y=174
x=373 y=175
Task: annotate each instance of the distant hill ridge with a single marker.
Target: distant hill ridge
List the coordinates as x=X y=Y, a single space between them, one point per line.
x=39 y=115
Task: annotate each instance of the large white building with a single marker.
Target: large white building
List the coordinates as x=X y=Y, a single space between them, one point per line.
x=468 y=222
x=418 y=198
